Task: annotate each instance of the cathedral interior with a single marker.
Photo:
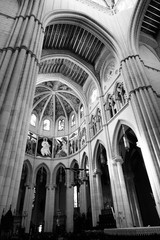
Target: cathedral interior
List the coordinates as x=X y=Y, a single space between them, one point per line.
x=79 y=117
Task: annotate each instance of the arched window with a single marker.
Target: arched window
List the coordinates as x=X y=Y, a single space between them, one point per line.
x=81 y=111
x=33 y=120
x=73 y=120
x=61 y=124
x=46 y=124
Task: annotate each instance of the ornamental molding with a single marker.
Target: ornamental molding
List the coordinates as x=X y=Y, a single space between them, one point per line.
x=96 y=6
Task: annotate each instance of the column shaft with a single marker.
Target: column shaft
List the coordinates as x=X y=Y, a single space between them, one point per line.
x=17 y=79
x=145 y=106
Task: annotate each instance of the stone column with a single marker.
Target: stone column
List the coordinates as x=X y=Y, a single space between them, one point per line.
x=136 y=214
x=124 y=213
x=145 y=106
x=83 y=198
x=27 y=207
x=69 y=203
x=49 y=208
x=19 y=68
x=97 y=193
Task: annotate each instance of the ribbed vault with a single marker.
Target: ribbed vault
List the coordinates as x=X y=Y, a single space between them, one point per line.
x=54 y=99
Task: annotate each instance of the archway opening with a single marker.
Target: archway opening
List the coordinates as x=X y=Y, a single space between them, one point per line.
x=106 y=219
x=60 y=201
x=138 y=186
x=38 y=204
x=88 y=219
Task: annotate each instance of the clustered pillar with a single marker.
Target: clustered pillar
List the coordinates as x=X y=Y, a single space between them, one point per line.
x=145 y=106
x=19 y=68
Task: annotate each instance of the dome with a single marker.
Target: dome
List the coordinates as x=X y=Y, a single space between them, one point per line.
x=54 y=99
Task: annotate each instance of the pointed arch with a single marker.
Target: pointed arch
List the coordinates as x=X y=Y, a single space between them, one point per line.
x=83 y=165
x=114 y=139
x=89 y=23
x=73 y=163
x=83 y=160
x=47 y=171
x=54 y=174
x=94 y=160
x=30 y=171
x=136 y=23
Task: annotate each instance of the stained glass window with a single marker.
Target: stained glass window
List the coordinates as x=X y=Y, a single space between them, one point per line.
x=81 y=111
x=33 y=120
x=61 y=124
x=73 y=120
x=46 y=124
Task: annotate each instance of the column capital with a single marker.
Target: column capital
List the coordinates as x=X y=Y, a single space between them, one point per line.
x=54 y=186
x=96 y=171
x=31 y=186
x=49 y=186
x=118 y=159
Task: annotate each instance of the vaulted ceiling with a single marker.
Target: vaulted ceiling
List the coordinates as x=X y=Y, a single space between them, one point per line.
x=66 y=67
x=78 y=44
x=75 y=39
x=54 y=99
x=151 y=20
